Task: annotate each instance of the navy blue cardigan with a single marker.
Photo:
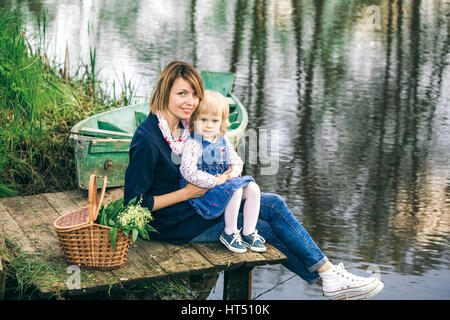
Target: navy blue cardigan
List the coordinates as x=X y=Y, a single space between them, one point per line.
x=152 y=172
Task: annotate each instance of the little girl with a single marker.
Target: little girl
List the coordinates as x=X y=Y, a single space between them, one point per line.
x=210 y=161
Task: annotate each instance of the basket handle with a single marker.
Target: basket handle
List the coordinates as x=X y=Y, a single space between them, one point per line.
x=93 y=206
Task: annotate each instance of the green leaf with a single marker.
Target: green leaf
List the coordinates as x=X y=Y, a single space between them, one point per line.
x=126 y=232
x=134 y=235
x=144 y=234
x=100 y=214
x=114 y=208
x=132 y=202
x=103 y=220
x=111 y=223
x=150 y=228
x=113 y=237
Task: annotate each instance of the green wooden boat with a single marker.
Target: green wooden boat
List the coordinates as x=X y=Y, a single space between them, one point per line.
x=101 y=142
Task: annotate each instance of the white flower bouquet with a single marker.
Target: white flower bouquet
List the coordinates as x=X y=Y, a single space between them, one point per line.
x=130 y=218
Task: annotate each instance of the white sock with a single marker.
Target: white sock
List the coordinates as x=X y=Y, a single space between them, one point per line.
x=327 y=275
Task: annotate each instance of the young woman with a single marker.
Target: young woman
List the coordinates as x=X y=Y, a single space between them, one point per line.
x=154 y=173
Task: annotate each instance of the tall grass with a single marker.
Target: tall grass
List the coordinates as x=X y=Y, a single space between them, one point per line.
x=27 y=93
x=38 y=106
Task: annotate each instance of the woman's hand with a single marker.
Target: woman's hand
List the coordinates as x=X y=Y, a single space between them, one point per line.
x=192 y=191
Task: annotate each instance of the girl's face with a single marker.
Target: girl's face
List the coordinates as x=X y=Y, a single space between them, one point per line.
x=208 y=125
x=182 y=99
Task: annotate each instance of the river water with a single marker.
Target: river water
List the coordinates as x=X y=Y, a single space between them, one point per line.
x=354 y=96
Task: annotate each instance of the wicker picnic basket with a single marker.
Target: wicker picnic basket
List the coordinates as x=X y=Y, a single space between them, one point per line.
x=86 y=243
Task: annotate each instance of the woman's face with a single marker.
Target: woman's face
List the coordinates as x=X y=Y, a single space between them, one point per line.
x=182 y=99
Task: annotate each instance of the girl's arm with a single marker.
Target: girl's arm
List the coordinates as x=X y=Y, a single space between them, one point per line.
x=191 y=153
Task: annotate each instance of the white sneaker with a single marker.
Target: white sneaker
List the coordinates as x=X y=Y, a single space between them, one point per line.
x=339 y=284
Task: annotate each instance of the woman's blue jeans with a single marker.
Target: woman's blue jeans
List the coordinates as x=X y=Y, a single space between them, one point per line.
x=280 y=228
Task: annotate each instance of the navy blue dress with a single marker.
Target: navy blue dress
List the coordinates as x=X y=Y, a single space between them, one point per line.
x=215 y=160
x=152 y=172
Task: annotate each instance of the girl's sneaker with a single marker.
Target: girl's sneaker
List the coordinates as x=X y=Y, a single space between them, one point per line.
x=233 y=241
x=254 y=242
x=339 y=284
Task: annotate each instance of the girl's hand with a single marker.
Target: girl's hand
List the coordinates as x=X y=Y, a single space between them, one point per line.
x=222 y=178
x=192 y=191
x=232 y=175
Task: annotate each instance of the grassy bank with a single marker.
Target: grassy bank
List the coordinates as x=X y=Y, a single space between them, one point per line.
x=39 y=103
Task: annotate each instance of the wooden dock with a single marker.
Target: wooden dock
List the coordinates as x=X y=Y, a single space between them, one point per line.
x=27 y=222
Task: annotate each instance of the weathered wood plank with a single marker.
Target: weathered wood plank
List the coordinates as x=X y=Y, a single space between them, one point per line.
x=223 y=258
x=35 y=216
x=139 y=266
x=60 y=202
x=136 y=268
x=57 y=280
x=176 y=259
x=79 y=197
x=13 y=232
x=272 y=255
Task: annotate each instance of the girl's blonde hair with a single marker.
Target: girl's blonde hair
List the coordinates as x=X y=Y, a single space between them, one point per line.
x=160 y=98
x=213 y=103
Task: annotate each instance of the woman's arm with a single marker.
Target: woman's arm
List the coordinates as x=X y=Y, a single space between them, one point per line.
x=184 y=194
x=139 y=177
x=140 y=170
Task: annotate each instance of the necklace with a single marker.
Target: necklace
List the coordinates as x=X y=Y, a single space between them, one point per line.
x=176 y=144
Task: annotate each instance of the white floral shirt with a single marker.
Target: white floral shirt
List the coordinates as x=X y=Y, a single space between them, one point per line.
x=192 y=152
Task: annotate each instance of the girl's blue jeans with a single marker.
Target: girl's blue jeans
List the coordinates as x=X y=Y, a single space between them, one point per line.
x=280 y=228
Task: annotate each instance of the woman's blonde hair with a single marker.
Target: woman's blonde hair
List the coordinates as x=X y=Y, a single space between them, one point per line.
x=213 y=103
x=160 y=97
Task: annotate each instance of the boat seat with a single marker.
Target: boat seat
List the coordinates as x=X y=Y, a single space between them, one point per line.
x=100 y=133
x=234 y=125
x=233 y=116
x=105 y=125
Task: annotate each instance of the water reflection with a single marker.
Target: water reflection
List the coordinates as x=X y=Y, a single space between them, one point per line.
x=362 y=109
x=193 y=34
x=240 y=13
x=257 y=65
